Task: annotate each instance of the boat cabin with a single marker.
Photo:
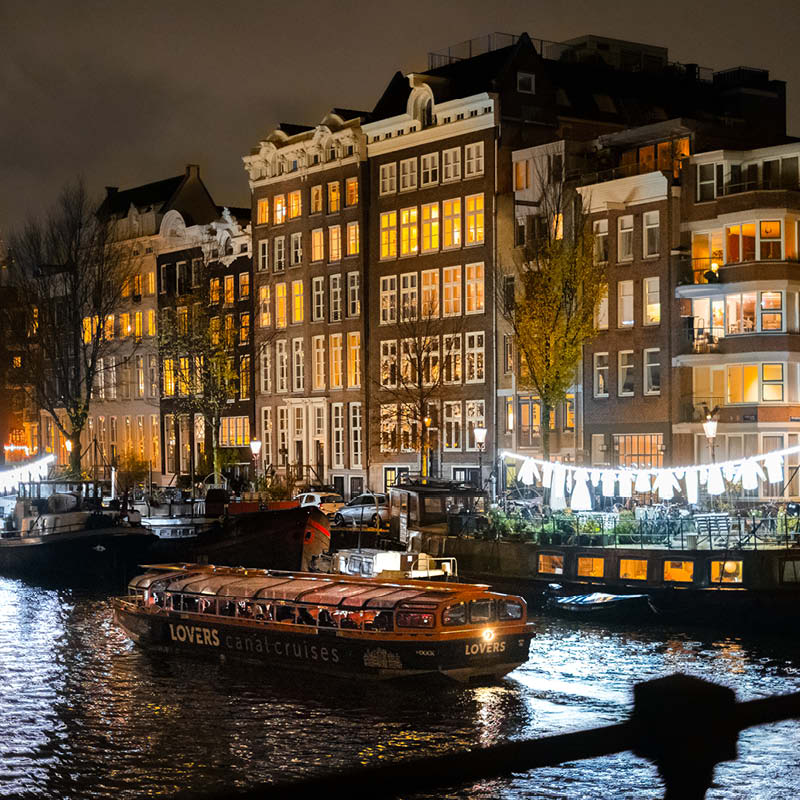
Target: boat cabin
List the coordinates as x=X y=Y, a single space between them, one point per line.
x=435 y=506
x=334 y=602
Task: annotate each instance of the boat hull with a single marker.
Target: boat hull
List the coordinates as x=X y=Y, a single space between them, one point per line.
x=65 y=557
x=333 y=652
x=273 y=539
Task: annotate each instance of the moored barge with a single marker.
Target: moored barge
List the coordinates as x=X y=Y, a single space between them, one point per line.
x=339 y=625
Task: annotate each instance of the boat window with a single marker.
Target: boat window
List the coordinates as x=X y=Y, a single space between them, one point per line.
x=481 y=610
x=791 y=570
x=633 y=569
x=589 y=567
x=455 y=615
x=414 y=619
x=508 y=609
x=227 y=608
x=284 y=613
x=726 y=572
x=553 y=565
x=434 y=505
x=682 y=571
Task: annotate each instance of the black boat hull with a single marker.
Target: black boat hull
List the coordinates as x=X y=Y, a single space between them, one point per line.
x=322 y=650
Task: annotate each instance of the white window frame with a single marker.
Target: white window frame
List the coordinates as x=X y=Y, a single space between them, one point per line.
x=389 y=366
x=354 y=360
x=296 y=250
x=452 y=362
x=452 y=220
x=429 y=169
x=475 y=357
x=452 y=425
x=471 y=220
x=388 y=178
x=353 y=295
x=623 y=322
x=630 y=369
x=451 y=291
x=475 y=301
x=596 y=370
x=317 y=237
x=335 y=298
x=451 y=165
x=281 y=366
x=430 y=224
x=279 y=254
x=646 y=375
x=336 y=359
x=337 y=435
x=647 y=225
x=318 y=298
x=646 y=295
x=356 y=435
x=388 y=300
x=625 y=234
x=429 y=280
x=409 y=297
x=263 y=255
x=298 y=366
x=408 y=174
x=318 y=350
x=265 y=369
x=473 y=160
x=334 y=244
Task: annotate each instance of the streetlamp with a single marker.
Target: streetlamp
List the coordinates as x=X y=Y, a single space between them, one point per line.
x=480 y=441
x=255 y=449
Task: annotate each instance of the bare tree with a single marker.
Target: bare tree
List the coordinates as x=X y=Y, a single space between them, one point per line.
x=66 y=273
x=549 y=296
x=415 y=372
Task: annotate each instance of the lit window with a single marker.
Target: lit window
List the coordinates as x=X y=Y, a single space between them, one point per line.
x=264 y=306
x=389 y=234
x=334 y=197
x=772 y=383
x=354 y=359
x=244 y=286
x=652 y=301
x=263 y=211
x=316 y=199
x=474 y=219
x=474 y=285
x=633 y=569
x=334 y=243
x=474 y=357
x=451 y=416
x=279 y=209
x=726 y=572
x=353 y=242
x=452 y=291
x=295 y=204
x=451 y=219
x=408 y=231
x=430 y=227
x=551 y=565
x=280 y=305
x=297 y=302
x=770 y=240
x=430 y=293
x=351 y=191
x=522 y=179
x=589 y=567
x=679 y=571
x=317 y=245
x=336 y=360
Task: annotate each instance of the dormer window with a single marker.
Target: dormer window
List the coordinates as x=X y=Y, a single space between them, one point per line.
x=526 y=82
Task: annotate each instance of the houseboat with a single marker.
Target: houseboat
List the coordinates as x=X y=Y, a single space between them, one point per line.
x=61 y=530
x=339 y=625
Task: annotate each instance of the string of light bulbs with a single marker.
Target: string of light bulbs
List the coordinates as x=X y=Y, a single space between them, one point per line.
x=569 y=483
x=34 y=471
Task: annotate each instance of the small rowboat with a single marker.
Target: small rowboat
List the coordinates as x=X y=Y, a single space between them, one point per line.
x=600 y=605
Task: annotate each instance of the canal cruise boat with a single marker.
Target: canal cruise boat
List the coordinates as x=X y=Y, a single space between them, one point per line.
x=335 y=624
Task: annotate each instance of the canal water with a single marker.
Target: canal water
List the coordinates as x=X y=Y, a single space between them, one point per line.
x=85 y=714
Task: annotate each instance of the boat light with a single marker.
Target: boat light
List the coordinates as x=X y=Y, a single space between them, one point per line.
x=488 y=635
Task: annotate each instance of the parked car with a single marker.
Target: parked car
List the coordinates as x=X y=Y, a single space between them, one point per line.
x=365 y=509
x=327 y=502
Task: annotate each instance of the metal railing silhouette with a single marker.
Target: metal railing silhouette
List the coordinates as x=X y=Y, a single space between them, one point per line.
x=683 y=724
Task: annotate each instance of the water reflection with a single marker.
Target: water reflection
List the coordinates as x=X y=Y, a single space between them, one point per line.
x=87 y=714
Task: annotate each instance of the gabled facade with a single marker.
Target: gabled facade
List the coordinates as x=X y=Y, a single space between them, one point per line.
x=310 y=192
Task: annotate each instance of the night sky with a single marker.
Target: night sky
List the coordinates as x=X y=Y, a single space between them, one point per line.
x=127 y=93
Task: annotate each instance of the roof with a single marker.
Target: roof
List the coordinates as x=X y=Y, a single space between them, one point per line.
x=155 y=194
x=291 y=128
x=342 y=590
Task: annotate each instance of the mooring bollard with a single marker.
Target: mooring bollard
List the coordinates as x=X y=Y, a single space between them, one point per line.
x=686 y=726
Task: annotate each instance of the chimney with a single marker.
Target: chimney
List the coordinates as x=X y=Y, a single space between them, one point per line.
x=192 y=170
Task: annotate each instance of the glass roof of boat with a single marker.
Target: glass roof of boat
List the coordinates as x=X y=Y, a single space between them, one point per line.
x=344 y=591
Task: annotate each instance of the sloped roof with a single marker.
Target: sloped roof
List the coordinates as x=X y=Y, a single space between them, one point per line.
x=155 y=194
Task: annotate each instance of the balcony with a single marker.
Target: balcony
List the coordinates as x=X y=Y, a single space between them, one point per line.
x=697 y=338
x=700 y=271
x=696 y=409
x=704 y=338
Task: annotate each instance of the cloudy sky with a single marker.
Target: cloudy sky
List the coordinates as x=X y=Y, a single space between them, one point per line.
x=126 y=93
